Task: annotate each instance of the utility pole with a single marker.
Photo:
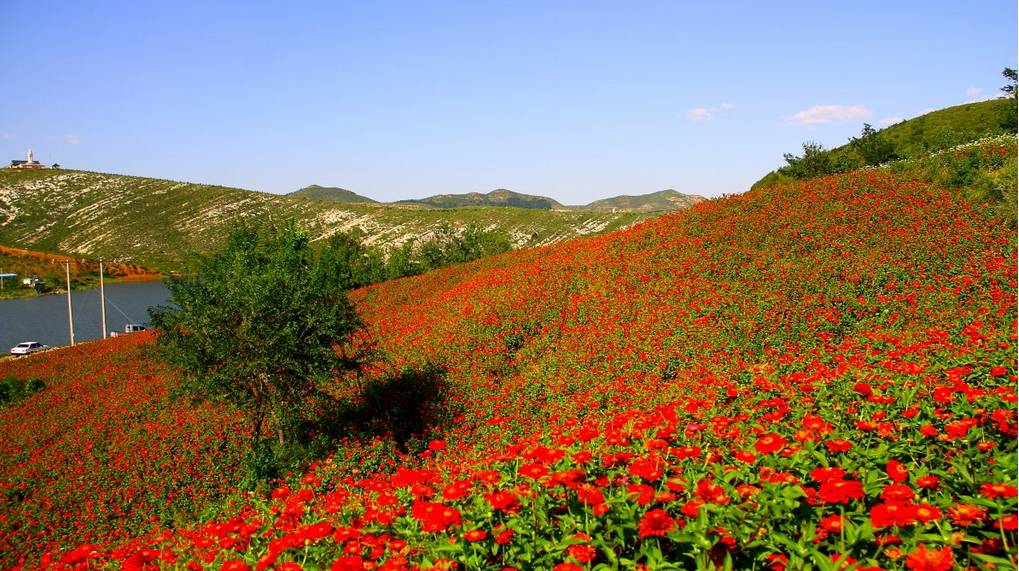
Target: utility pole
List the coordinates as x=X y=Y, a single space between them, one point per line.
x=102 y=300
x=70 y=314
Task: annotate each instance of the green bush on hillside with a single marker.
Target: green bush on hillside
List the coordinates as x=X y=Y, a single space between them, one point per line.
x=261 y=326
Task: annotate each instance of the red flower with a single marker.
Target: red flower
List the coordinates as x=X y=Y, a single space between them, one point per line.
x=655 y=523
x=567 y=567
x=840 y=491
x=927 y=513
x=235 y=565
x=475 y=535
x=644 y=493
x=770 y=443
x=1009 y=522
x=897 y=471
x=837 y=445
x=348 y=563
x=582 y=553
x=502 y=500
x=998 y=491
x=884 y=515
x=434 y=516
x=533 y=470
x=966 y=514
x=590 y=494
x=924 y=559
x=897 y=493
x=832 y=523
x=823 y=474
x=863 y=389
x=650 y=468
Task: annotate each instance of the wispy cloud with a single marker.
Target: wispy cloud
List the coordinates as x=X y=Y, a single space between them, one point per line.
x=974 y=93
x=72 y=139
x=707 y=113
x=819 y=114
x=6 y=136
x=888 y=121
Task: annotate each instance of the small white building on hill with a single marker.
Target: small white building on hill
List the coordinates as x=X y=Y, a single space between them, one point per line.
x=31 y=163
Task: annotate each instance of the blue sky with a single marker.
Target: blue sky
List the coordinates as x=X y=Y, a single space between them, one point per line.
x=570 y=99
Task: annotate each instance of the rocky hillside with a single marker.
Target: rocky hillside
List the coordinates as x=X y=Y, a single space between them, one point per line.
x=155 y=222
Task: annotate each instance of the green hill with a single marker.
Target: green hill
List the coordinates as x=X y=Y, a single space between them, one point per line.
x=934 y=131
x=661 y=201
x=331 y=193
x=156 y=222
x=499 y=198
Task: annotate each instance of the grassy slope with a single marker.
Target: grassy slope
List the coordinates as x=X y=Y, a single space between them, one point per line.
x=153 y=222
x=756 y=314
x=331 y=193
x=933 y=131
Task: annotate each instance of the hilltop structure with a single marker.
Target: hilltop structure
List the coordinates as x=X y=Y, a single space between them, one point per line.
x=31 y=163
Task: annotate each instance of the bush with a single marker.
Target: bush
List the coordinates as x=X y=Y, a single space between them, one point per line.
x=261 y=325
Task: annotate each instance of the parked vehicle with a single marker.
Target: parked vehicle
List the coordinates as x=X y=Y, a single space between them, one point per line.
x=28 y=347
x=129 y=328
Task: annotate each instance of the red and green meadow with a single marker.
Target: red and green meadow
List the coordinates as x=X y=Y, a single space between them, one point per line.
x=818 y=375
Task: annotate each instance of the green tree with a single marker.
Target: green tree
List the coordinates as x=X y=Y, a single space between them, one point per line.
x=1009 y=90
x=872 y=146
x=814 y=162
x=352 y=263
x=260 y=325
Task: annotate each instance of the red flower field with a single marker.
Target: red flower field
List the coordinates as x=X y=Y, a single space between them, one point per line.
x=819 y=375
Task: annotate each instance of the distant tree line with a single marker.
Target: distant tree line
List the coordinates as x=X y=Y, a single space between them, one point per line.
x=355 y=263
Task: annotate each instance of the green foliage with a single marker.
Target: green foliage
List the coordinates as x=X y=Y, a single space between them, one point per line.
x=914 y=138
x=816 y=161
x=984 y=173
x=449 y=246
x=260 y=325
x=1009 y=89
x=872 y=147
x=352 y=263
x=13 y=389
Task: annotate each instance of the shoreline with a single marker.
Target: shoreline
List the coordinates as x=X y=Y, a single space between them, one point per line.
x=30 y=292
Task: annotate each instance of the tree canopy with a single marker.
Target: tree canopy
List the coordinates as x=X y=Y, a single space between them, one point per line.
x=260 y=325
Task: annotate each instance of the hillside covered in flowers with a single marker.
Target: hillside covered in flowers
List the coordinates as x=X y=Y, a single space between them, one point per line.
x=814 y=375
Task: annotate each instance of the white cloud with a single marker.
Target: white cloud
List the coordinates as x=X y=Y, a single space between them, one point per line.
x=72 y=139
x=819 y=114
x=973 y=93
x=707 y=113
x=6 y=136
x=699 y=114
x=888 y=121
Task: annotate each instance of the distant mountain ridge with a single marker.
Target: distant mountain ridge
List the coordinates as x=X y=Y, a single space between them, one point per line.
x=154 y=222
x=661 y=201
x=331 y=193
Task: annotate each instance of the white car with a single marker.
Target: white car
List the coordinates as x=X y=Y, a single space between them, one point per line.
x=28 y=347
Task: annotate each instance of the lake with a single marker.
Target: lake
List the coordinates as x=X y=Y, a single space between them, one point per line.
x=44 y=318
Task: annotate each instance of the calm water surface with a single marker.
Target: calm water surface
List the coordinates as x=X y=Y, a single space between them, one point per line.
x=44 y=318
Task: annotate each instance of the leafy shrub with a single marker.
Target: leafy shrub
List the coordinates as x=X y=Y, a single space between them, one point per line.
x=14 y=389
